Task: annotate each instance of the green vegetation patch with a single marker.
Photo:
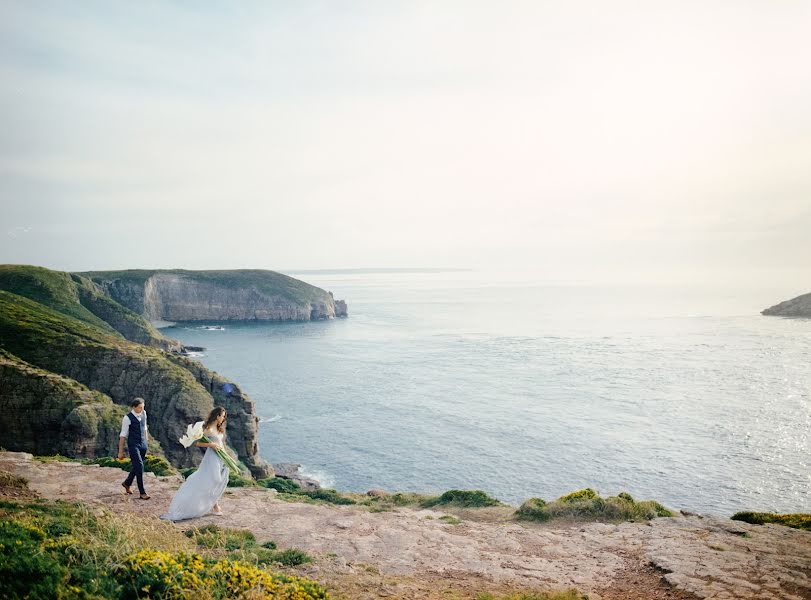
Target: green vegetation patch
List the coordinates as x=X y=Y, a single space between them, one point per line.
x=290 y=490
x=10 y=480
x=53 y=549
x=152 y=464
x=796 y=520
x=240 y=544
x=463 y=498
x=587 y=505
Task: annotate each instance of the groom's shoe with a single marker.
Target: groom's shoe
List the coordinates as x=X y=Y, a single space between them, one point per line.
x=127 y=489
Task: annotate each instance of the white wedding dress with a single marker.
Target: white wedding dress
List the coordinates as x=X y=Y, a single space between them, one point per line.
x=203 y=488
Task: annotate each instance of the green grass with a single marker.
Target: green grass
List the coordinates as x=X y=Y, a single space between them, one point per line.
x=450 y=519
x=462 y=498
x=54 y=289
x=289 y=490
x=240 y=544
x=796 y=520
x=53 y=549
x=587 y=505
x=152 y=464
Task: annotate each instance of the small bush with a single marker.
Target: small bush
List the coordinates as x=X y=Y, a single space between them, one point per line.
x=158 y=574
x=328 y=495
x=280 y=484
x=587 y=505
x=532 y=509
x=152 y=464
x=291 y=557
x=796 y=520
x=465 y=498
x=235 y=480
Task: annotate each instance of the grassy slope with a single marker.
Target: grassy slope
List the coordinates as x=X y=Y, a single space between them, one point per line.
x=80 y=298
x=54 y=289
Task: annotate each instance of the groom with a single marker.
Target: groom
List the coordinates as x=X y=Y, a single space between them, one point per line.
x=134 y=433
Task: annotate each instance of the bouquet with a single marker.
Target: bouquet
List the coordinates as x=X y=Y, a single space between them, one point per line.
x=195 y=432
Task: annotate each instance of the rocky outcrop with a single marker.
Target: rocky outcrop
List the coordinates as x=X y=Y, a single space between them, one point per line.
x=240 y=295
x=45 y=413
x=292 y=472
x=243 y=423
x=796 y=307
x=341 y=309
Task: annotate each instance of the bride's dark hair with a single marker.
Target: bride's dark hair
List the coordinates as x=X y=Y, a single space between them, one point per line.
x=212 y=419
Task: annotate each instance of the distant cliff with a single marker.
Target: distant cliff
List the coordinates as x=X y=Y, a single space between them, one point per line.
x=238 y=295
x=796 y=307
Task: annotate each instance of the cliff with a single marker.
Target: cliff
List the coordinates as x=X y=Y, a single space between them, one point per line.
x=45 y=413
x=62 y=357
x=238 y=295
x=796 y=307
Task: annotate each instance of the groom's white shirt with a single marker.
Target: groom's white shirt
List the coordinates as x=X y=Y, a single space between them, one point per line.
x=125 y=424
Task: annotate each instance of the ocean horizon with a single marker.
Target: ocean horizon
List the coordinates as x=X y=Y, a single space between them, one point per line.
x=451 y=378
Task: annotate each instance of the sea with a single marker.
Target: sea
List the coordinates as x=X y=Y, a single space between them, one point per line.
x=458 y=379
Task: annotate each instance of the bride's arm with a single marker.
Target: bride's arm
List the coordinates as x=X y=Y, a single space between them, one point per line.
x=207 y=444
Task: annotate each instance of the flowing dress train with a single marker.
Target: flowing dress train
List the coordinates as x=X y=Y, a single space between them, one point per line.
x=203 y=488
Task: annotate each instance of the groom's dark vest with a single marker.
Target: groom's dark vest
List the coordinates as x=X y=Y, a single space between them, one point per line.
x=137 y=433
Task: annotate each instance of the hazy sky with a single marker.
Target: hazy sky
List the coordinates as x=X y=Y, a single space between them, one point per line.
x=601 y=140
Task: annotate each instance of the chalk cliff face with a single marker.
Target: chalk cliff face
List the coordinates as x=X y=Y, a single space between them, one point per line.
x=796 y=307
x=243 y=295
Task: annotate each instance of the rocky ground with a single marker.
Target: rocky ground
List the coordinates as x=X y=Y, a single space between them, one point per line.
x=413 y=553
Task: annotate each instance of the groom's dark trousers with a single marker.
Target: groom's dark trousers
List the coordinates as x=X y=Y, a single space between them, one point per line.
x=136 y=444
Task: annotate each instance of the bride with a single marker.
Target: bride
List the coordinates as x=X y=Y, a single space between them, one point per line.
x=200 y=493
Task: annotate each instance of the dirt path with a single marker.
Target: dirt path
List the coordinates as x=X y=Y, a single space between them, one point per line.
x=411 y=553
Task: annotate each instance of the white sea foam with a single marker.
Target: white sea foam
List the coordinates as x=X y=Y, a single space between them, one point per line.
x=324 y=479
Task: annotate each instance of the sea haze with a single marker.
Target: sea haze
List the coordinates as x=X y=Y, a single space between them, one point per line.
x=441 y=380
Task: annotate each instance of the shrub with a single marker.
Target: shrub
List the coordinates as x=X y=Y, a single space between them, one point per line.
x=465 y=498
x=164 y=575
x=328 y=495
x=532 y=509
x=152 y=464
x=796 y=520
x=291 y=557
x=280 y=484
x=586 y=505
x=26 y=571
x=235 y=480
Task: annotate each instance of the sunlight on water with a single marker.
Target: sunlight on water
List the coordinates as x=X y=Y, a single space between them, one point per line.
x=449 y=380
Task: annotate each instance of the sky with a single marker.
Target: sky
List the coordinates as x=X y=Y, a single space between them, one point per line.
x=581 y=141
